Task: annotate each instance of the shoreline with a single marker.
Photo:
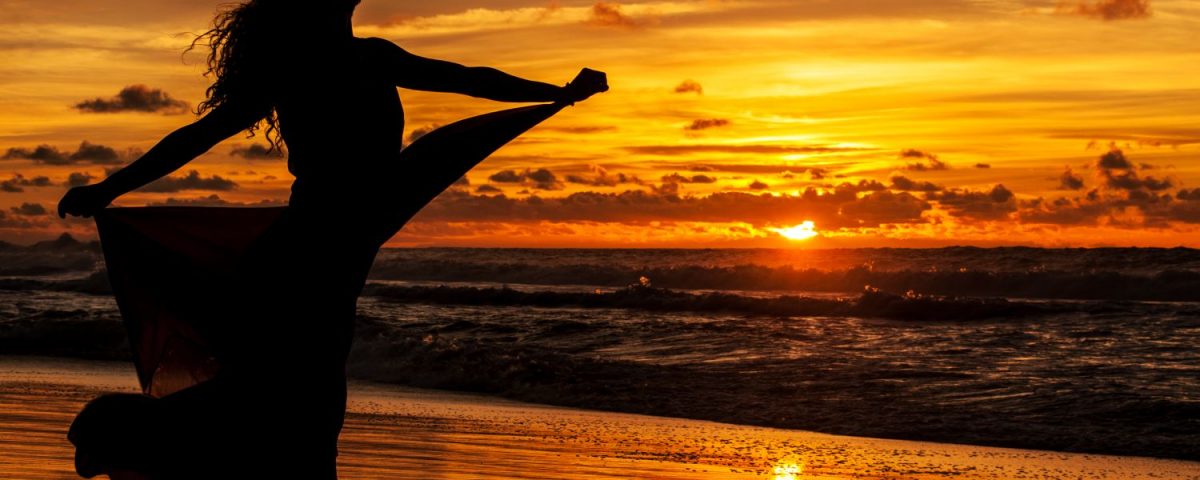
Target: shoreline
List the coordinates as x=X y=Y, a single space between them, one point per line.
x=403 y=432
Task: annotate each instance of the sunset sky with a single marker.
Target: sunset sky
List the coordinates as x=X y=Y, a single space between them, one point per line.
x=729 y=124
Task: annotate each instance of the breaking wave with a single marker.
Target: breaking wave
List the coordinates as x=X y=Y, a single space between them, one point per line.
x=1167 y=285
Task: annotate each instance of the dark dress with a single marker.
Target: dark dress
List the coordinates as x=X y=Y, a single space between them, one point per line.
x=241 y=319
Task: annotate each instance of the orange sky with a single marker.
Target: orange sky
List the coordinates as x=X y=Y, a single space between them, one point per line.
x=885 y=123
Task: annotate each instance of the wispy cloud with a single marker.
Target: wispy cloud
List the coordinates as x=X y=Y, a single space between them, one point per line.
x=1107 y=9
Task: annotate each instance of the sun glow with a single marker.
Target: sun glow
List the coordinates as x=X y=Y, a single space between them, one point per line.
x=803 y=231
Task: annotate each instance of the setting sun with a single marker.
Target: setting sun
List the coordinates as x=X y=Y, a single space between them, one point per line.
x=803 y=231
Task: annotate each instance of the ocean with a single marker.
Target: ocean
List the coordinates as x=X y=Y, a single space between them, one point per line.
x=1083 y=350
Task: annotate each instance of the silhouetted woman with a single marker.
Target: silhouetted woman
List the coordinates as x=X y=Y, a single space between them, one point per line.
x=281 y=328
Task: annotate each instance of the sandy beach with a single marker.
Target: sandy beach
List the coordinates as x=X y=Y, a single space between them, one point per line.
x=404 y=433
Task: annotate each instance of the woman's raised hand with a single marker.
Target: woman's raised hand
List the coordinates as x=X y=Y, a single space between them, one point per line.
x=84 y=201
x=589 y=82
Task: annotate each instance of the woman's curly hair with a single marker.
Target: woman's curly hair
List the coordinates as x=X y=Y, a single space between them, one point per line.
x=240 y=52
x=246 y=44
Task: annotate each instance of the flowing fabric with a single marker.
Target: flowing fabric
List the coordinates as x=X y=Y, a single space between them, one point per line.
x=167 y=265
x=240 y=319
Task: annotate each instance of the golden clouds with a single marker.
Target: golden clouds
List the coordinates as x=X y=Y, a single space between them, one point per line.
x=599 y=14
x=792 y=111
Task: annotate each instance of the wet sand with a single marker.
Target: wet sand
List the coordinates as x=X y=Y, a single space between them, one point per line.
x=402 y=433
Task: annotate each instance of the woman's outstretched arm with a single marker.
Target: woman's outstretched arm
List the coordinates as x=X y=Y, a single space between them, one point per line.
x=419 y=73
x=172 y=152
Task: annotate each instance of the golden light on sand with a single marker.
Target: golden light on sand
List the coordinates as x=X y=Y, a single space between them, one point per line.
x=787 y=470
x=803 y=231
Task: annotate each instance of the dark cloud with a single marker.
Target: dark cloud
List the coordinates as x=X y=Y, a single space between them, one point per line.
x=191 y=181
x=488 y=189
x=1127 y=209
x=544 y=179
x=541 y=179
x=1065 y=211
x=705 y=124
x=690 y=86
x=1124 y=198
x=256 y=152
x=901 y=182
x=210 y=201
x=1131 y=181
x=215 y=201
x=30 y=210
x=1119 y=173
x=668 y=189
x=1069 y=180
x=78 y=179
x=883 y=207
x=603 y=179
x=861 y=186
x=840 y=208
x=914 y=153
x=1192 y=195
x=983 y=165
x=18 y=182
x=671 y=150
x=88 y=152
x=42 y=153
x=933 y=162
x=507 y=176
x=677 y=178
x=1114 y=160
x=995 y=204
x=1107 y=9
x=136 y=98
x=758 y=185
x=97 y=154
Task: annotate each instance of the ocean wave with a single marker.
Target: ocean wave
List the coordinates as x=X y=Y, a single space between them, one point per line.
x=65 y=332
x=878 y=388
x=871 y=303
x=1164 y=285
x=95 y=283
x=1135 y=274
x=1102 y=377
